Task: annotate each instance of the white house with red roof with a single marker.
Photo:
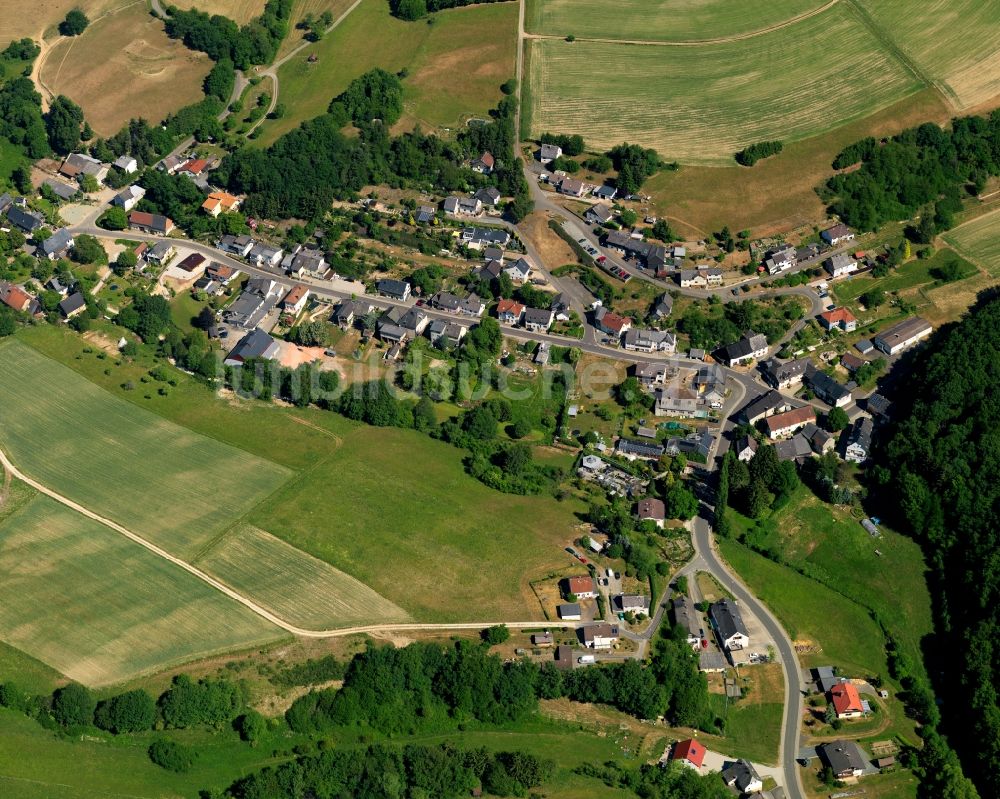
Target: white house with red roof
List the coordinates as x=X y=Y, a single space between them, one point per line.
x=840 y=318
x=846 y=701
x=581 y=587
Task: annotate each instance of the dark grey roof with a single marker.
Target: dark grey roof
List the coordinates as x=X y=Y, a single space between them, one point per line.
x=861 y=433
x=537 y=316
x=394 y=288
x=664 y=305
x=640 y=448
x=686 y=615
x=763 y=405
x=777 y=372
x=878 y=404
x=825 y=387
x=569 y=609
x=798 y=446
x=25 y=220
x=842 y=756
x=740 y=774
x=255 y=344
x=5 y=202
x=727 y=618
x=58 y=242
x=63 y=191
x=72 y=303
x=488 y=194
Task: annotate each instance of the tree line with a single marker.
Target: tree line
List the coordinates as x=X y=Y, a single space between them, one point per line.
x=418 y=9
x=221 y=39
x=753 y=153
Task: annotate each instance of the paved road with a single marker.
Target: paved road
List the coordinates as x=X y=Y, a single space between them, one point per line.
x=789 y=746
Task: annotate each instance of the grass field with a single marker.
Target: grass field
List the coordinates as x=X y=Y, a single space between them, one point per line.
x=811 y=613
x=141 y=72
x=954 y=43
x=753 y=724
x=299 y=588
x=979 y=241
x=175 y=487
x=700 y=104
x=660 y=20
x=302 y=8
x=100 y=608
x=455 y=66
x=396 y=510
x=908 y=276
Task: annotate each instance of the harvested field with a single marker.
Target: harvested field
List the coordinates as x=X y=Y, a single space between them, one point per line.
x=141 y=72
x=979 y=241
x=701 y=104
x=101 y=609
x=174 y=487
x=299 y=588
x=44 y=16
x=300 y=10
x=240 y=11
x=478 y=42
x=955 y=44
x=661 y=20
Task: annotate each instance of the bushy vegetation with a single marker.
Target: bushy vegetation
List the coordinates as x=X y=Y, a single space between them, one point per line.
x=923 y=167
x=718 y=324
x=939 y=469
x=74 y=24
x=418 y=9
x=749 y=156
x=221 y=39
x=673 y=781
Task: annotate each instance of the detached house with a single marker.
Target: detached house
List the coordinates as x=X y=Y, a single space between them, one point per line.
x=295 y=300
x=57 y=245
x=16 y=298
x=537 y=320
x=581 y=587
x=519 y=270
x=611 y=323
x=837 y=234
x=827 y=389
x=687 y=618
x=598 y=214
x=150 y=223
x=700 y=278
x=220 y=202
x=689 y=752
x=572 y=187
x=470 y=305
x=729 y=625
x=839 y=318
x=844 y=758
x=235 y=245
x=488 y=196
x=24 y=220
x=600 y=636
x=638 y=340
x=484 y=164
x=743 y=777
x=630 y=603
x=651 y=509
x=859 y=440
x=846 y=701
x=784 y=375
x=784 y=424
x=510 y=312
x=73 y=305
x=781 y=259
x=127 y=164
x=549 y=153
x=840 y=264
x=751 y=346
x=745 y=448
x=255 y=344
x=128 y=197
x=767 y=405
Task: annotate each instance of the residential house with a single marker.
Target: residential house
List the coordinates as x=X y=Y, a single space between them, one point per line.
x=675 y=401
x=745 y=448
x=477 y=238
x=839 y=318
x=6 y=201
x=265 y=254
x=450 y=205
x=797 y=448
x=73 y=305
x=819 y=439
x=729 y=625
x=569 y=611
x=851 y=362
x=784 y=374
x=652 y=509
x=348 y=312
x=780 y=260
x=220 y=273
x=542 y=639
x=563 y=657
x=128 y=197
x=510 y=312
x=150 y=223
x=902 y=335
x=236 y=245
x=425 y=214
x=451 y=333
x=581 y=587
x=24 y=220
x=877 y=406
x=605 y=192
x=489 y=196
x=537 y=320
x=598 y=214
x=650 y=374
x=751 y=346
x=663 y=306
x=64 y=191
x=259 y=296
x=844 y=758
x=653 y=256
x=630 y=603
x=784 y=424
x=701 y=443
x=160 y=252
x=484 y=164
x=827 y=389
x=837 y=235
x=840 y=264
x=470 y=305
x=689 y=752
x=599 y=636
x=703 y=277
x=846 y=701
x=172 y=163
x=413 y=319
x=572 y=187
x=56 y=246
x=309 y=262
x=632 y=449
x=16 y=298
x=560 y=308
x=710 y=383
x=193 y=265
x=396 y=289
x=489 y=271
x=255 y=344
x=469 y=206
x=807 y=252
x=638 y=340
x=194 y=167
x=766 y=405
x=742 y=776
x=220 y=202
x=518 y=271
x=493 y=254
x=686 y=617
x=825 y=678
x=549 y=153
x=126 y=164
x=611 y=323
x=859 y=440
x=76 y=165
x=295 y=300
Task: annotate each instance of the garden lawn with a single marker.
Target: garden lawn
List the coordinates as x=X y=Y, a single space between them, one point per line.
x=396 y=510
x=910 y=275
x=455 y=66
x=811 y=613
x=175 y=487
x=718 y=98
x=753 y=723
x=101 y=609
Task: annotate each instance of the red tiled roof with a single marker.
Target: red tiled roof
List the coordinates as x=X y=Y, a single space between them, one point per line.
x=796 y=416
x=510 y=306
x=838 y=316
x=581 y=585
x=846 y=699
x=612 y=321
x=652 y=508
x=487 y=158
x=15 y=297
x=295 y=294
x=195 y=166
x=689 y=750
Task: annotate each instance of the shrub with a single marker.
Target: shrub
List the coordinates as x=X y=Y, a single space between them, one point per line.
x=171 y=755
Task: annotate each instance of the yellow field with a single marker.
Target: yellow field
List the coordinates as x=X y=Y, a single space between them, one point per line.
x=700 y=104
x=299 y=588
x=954 y=43
x=141 y=72
x=979 y=241
x=42 y=17
x=101 y=609
x=239 y=11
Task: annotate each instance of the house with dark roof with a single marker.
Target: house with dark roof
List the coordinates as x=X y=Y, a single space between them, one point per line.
x=859 y=440
x=258 y=298
x=729 y=624
x=489 y=196
x=23 y=219
x=451 y=333
x=663 y=306
x=827 y=389
x=518 y=271
x=877 y=405
x=686 y=617
x=470 y=305
x=632 y=449
x=750 y=346
x=549 y=152
x=396 y=289
x=766 y=405
x=477 y=238
x=797 y=448
x=710 y=382
x=348 y=312
x=784 y=374
x=569 y=611
x=653 y=256
x=255 y=344
x=64 y=191
x=74 y=304
x=840 y=264
x=128 y=197
x=825 y=678
x=780 y=259
x=538 y=320
x=56 y=246
x=650 y=374
x=651 y=509
x=425 y=214
x=236 y=245
x=598 y=214
x=844 y=758
x=605 y=192
x=742 y=776
x=745 y=448
x=572 y=187
x=819 y=439
x=263 y=254
x=630 y=603
x=639 y=340
x=599 y=636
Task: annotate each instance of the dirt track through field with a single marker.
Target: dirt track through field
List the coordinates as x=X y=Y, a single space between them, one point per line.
x=695 y=42
x=12 y=470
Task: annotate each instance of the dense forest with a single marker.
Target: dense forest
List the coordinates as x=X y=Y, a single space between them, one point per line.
x=940 y=470
x=924 y=170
